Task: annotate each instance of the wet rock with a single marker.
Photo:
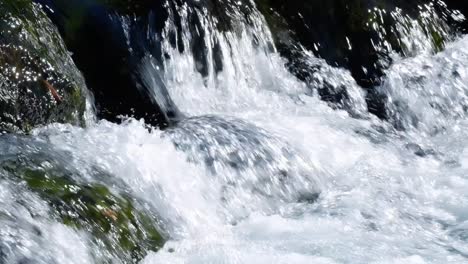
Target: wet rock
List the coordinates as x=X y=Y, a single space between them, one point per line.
x=342 y=32
x=39 y=84
x=358 y=35
x=114 y=224
x=247 y=157
x=111 y=42
x=334 y=86
x=462 y=7
x=117 y=224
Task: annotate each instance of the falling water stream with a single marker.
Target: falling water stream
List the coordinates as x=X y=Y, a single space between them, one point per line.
x=261 y=170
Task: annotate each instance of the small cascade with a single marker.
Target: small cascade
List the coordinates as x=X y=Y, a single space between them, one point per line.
x=266 y=155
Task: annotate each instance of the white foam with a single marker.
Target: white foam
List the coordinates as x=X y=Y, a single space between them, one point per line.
x=385 y=196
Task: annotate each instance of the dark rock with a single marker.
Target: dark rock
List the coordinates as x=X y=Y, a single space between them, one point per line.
x=332 y=85
x=462 y=7
x=112 y=42
x=39 y=84
x=342 y=32
x=339 y=31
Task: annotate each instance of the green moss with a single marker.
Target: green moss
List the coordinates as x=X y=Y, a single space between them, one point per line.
x=113 y=220
x=350 y=19
x=74 y=100
x=20 y=6
x=357 y=16
x=31 y=45
x=438 y=39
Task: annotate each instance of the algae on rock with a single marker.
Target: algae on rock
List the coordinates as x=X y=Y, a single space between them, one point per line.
x=39 y=83
x=117 y=223
x=358 y=35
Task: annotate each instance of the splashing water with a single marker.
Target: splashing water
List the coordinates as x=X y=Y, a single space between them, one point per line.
x=262 y=170
x=429 y=92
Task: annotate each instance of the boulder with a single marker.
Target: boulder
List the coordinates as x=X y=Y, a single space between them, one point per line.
x=343 y=32
x=358 y=35
x=39 y=83
x=119 y=225
x=112 y=42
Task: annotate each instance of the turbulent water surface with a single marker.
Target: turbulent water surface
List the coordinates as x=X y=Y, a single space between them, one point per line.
x=262 y=171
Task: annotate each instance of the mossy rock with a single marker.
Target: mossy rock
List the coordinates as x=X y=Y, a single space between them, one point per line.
x=329 y=28
x=39 y=83
x=117 y=223
x=358 y=35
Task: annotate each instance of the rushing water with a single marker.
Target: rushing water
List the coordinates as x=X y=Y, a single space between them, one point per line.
x=262 y=171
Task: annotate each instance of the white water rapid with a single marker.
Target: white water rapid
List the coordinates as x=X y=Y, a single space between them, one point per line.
x=262 y=171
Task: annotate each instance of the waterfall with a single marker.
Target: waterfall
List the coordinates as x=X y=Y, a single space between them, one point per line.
x=259 y=167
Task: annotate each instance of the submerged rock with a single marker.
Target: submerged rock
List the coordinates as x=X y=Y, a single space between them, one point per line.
x=246 y=157
x=119 y=226
x=39 y=84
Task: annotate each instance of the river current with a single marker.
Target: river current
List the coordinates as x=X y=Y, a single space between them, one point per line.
x=263 y=171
